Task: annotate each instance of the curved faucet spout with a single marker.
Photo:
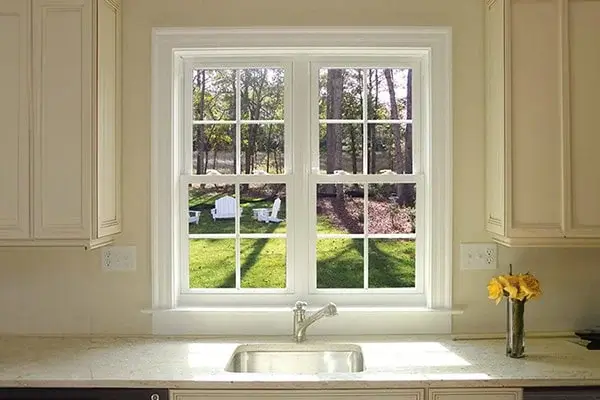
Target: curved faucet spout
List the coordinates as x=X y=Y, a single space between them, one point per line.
x=302 y=322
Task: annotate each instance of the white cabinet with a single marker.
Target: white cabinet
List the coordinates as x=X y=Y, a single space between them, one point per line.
x=475 y=394
x=15 y=99
x=66 y=191
x=395 y=394
x=542 y=187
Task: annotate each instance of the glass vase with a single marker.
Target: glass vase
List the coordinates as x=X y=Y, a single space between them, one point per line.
x=515 y=335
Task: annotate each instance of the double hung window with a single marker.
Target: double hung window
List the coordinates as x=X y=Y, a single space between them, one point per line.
x=316 y=173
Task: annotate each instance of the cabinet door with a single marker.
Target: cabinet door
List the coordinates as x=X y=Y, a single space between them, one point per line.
x=475 y=394
x=534 y=164
x=398 y=394
x=583 y=215
x=62 y=81
x=495 y=183
x=15 y=117
x=109 y=118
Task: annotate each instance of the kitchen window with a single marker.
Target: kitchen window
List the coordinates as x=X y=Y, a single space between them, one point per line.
x=292 y=165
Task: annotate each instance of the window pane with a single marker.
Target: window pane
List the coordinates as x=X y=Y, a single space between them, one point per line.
x=390 y=149
x=261 y=93
x=341 y=148
x=340 y=93
x=263 y=263
x=212 y=263
x=340 y=208
x=340 y=263
x=211 y=208
x=391 y=263
x=264 y=208
x=213 y=94
x=262 y=149
x=389 y=92
x=213 y=149
x=392 y=208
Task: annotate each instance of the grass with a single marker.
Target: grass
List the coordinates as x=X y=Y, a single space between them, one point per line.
x=263 y=261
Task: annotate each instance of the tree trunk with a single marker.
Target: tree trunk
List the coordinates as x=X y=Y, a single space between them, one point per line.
x=245 y=104
x=409 y=193
x=373 y=105
x=335 y=89
x=335 y=82
x=268 y=147
x=200 y=139
x=353 y=151
x=398 y=161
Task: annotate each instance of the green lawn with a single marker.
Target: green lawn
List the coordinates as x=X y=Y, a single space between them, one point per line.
x=339 y=261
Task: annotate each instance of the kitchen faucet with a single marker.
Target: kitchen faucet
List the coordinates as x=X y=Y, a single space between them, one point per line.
x=301 y=321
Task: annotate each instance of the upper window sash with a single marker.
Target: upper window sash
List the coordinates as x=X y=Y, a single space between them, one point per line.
x=416 y=62
x=238 y=63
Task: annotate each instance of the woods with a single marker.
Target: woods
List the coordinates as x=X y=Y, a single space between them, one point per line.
x=261 y=99
x=388 y=96
x=343 y=93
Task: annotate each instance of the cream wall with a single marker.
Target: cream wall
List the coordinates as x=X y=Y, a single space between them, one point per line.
x=64 y=291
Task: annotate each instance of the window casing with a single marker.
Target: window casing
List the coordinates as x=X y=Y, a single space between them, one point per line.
x=302 y=175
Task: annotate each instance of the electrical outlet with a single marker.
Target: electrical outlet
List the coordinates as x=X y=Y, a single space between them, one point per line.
x=118 y=258
x=478 y=256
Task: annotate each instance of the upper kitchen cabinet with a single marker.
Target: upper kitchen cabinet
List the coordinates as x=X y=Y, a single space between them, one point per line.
x=542 y=63
x=15 y=124
x=61 y=149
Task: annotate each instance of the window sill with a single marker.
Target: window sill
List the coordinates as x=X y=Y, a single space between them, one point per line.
x=254 y=321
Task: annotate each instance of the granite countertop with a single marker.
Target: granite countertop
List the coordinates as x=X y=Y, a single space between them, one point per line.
x=192 y=363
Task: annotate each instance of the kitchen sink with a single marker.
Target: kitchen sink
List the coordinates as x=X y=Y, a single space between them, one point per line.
x=297 y=358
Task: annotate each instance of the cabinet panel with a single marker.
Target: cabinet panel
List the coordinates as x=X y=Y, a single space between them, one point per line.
x=535 y=140
x=14 y=114
x=475 y=394
x=109 y=118
x=495 y=128
x=62 y=76
x=584 y=31
x=398 y=394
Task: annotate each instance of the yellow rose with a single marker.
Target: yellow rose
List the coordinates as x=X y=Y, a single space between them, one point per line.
x=495 y=290
x=529 y=286
x=510 y=284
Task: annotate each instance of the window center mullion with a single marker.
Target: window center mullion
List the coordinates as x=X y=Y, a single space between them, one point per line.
x=301 y=200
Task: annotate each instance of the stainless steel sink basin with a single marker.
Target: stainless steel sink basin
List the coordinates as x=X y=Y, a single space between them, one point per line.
x=296 y=358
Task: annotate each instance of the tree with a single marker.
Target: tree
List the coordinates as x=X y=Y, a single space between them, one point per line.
x=335 y=86
x=335 y=91
x=409 y=194
x=372 y=107
x=398 y=159
x=352 y=106
x=200 y=136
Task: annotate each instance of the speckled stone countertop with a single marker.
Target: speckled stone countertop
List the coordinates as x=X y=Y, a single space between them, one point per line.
x=391 y=362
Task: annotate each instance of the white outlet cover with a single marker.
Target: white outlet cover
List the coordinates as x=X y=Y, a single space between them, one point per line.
x=118 y=258
x=478 y=256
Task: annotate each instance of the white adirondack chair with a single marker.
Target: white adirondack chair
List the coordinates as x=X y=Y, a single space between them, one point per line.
x=224 y=208
x=194 y=217
x=262 y=214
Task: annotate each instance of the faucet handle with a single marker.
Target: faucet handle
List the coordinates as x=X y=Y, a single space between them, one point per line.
x=300 y=306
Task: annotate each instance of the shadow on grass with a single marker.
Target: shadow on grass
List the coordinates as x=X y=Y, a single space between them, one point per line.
x=250 y=261
x=396 y=270
x=339 y=271
x=391 y=262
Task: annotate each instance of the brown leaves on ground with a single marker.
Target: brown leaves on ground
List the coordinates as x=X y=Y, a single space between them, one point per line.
x=347 y=214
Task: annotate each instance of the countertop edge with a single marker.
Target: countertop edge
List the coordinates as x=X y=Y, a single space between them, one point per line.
x=298 y=385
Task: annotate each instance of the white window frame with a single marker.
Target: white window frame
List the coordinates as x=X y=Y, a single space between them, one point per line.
x=171 y=46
